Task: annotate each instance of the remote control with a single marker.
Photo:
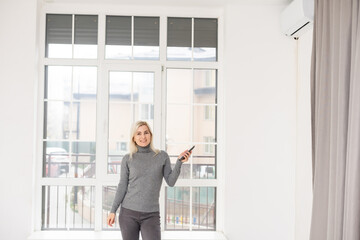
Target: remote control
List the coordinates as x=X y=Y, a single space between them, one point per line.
x=182 y=158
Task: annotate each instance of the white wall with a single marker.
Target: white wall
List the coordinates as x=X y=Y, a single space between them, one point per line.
x=17 y=82
x=303 y=162
x=260 y=125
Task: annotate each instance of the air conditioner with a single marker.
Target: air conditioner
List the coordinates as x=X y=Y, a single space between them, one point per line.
x=297 y=17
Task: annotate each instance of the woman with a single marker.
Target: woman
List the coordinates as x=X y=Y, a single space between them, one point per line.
x=138 y=191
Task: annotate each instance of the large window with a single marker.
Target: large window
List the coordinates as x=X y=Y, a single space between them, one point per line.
x=95 y=87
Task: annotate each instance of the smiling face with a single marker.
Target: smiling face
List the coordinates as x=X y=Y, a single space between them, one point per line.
x=142 y=136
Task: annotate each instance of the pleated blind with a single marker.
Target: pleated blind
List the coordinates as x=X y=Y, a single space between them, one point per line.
x=179 y=32
x=118 y=30
x=58 y=28
x=146 y=31
x=86 y=29
x=205 y=33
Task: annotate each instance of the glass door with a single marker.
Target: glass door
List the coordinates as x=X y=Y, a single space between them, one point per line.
x=130 y=94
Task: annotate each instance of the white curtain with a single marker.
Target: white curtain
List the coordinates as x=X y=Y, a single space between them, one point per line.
x=335 y=90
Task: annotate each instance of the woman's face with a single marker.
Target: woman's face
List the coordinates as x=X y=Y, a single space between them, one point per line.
x=142 y=136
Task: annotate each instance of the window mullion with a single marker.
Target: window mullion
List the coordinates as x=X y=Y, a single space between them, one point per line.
x=68 y=209
x=162 y=89
x=163 y=39
x=101 y=141
x=70 y=139
x=132 y=37
x=192 y=39
x=190 y=207
x=72 y=35
x=101 y=38
x=192 y=132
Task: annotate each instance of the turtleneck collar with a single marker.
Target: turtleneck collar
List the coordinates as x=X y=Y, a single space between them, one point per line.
x=145 y=149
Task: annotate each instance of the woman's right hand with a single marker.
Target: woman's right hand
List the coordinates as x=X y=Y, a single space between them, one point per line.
x=110 y=219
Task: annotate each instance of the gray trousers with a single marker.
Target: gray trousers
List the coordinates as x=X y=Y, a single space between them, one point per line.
x=132 y=222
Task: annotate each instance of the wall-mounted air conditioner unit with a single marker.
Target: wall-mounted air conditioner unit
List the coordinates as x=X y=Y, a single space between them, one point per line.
x=297 y=17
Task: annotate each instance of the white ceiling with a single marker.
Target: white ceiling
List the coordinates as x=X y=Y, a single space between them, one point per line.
x=195 y=3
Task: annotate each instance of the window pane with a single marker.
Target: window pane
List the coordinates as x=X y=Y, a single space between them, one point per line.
x=146 y=38
x=83 y=120
x=85 y=83
x=114 y=162
x=204 y=122
x=118 y=37
x=56 y=120
x=54 y=207
x=203 y=208
x=66 y=207
x=174 y=151
x=56 y=159
x=177 y=208
x=179 y=53
x=108 y=196
x=86 y=34
x=179 y=39
x=82 y=207
x=120 y=85
x=58 y=36
x=146 y=53
x=178 y=123
x=83 y=160
x=143 y=87
x=179 y=86
x=204 y=86
x=205 y=39
x=85 y=51
x=131 y=99
x=58 y=82
x=118 y=52
x=144 y=112
x=120 y=120
x=203 y=159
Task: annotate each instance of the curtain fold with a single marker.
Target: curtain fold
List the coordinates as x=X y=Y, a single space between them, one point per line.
x=335 y=103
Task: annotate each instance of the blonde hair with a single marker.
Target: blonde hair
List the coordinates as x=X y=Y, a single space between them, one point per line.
x=132 y=145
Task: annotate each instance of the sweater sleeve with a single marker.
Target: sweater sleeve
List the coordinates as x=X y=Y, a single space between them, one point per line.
x=122 y=186
x=171 y=175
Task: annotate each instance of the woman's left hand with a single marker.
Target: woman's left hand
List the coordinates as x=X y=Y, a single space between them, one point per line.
x=186 y=155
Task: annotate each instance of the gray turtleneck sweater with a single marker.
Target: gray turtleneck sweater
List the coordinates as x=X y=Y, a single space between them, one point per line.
x=141 y=179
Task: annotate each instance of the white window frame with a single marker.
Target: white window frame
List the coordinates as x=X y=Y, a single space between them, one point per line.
x=209 y=148
x=159 y=67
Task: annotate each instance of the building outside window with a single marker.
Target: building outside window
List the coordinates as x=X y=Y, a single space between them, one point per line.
x=91 y=99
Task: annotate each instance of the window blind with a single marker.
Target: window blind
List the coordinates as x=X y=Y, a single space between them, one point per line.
x=179 y=32
x=146 y=31
x=58 y=28
x=205 y=32
x=86 y=29
x=118 y=30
